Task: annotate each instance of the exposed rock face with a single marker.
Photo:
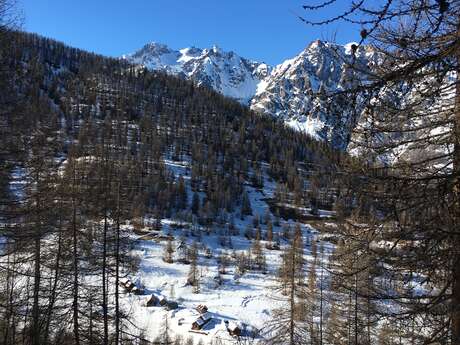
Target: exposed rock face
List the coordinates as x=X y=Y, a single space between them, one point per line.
x=225 y=72
x=291 y=91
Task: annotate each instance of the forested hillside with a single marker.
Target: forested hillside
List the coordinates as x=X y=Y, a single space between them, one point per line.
x=87 y=147
x=137 y=207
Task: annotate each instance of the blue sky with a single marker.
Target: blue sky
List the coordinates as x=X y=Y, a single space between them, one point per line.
x=264 y=30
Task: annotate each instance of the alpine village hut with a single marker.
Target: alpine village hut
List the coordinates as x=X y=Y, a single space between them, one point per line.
x=202 y=320
x=202 y=309
x=156 y=300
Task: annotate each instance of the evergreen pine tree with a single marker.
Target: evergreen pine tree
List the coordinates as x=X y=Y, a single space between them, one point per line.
x=246 y=209
x=193 y=278
x=195 y=207
x=288 y=323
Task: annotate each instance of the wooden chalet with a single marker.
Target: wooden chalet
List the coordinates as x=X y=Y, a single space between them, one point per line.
x=156 y=300
x=130 y=287
x=182 y=253
x=162 y=301
x=122 y=281
x=202 y=309
x=202 y=320
x=152 y=301
x=127 y=284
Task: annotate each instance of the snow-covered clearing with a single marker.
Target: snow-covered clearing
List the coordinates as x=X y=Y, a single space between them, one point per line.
x=244 y=300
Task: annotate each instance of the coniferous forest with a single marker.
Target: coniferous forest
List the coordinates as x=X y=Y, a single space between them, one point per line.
x=141 y=207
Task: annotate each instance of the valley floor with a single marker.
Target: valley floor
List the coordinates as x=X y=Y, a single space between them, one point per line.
x=247 y=300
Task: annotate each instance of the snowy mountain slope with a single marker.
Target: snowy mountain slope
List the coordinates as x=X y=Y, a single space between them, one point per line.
x=225 y=72
x=423 y=138
x=290 y=91
x=287 y=91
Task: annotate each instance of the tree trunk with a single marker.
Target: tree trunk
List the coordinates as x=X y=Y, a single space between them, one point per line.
x=456 y=212
x=104 y=281
x=356 y=309
x=292 y=299
x=117 y=270
x=35 y=334
x=36 y=296
x=456 y=300
x=54 y=288
x=9 y=296
x=25 y=335
x=75 y=263
x=321 y=303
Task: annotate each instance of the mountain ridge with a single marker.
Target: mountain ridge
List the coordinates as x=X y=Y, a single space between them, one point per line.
x=225 y=72
x=288 y=91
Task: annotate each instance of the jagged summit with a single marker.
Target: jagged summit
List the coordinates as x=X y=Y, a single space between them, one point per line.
x=225 y=72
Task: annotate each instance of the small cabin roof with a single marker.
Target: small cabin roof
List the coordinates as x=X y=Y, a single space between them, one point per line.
x=200 y=322
x=206 y=316
x=158 y=296
x=202 y=319
x=153 y=298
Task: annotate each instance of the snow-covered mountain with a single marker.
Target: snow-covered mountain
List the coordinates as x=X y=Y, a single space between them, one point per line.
x=225 y=72
x=288 y=91
x=291 y=90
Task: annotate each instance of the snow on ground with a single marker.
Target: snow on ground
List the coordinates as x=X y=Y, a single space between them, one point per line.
x=18 y=182
x=246 y=300
x=311 y=126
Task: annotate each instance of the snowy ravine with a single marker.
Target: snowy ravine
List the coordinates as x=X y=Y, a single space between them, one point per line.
x=287 y=91
x=248 y=299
